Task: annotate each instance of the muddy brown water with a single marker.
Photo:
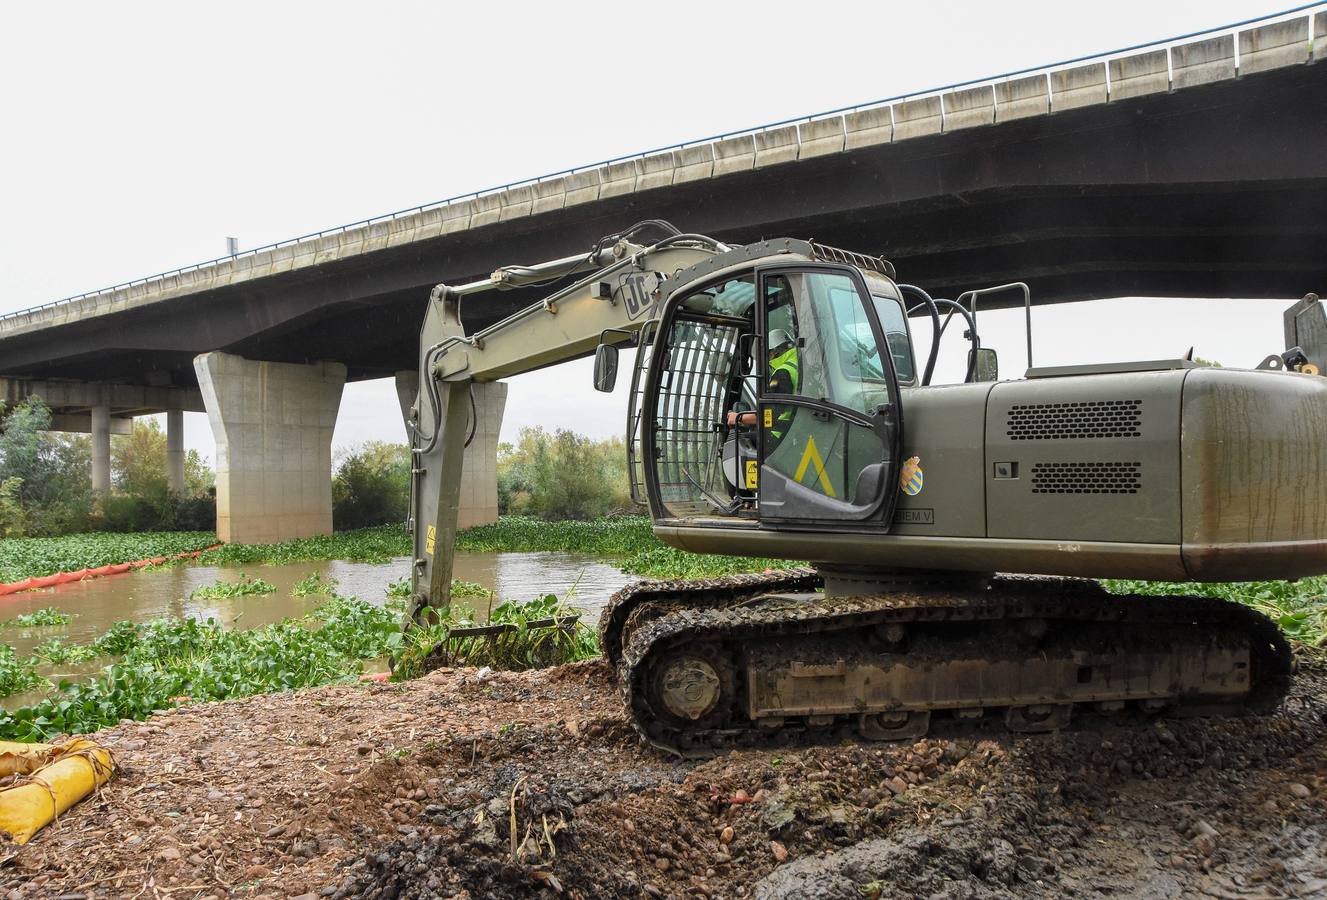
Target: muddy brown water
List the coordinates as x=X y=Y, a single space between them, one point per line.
x=97 y=603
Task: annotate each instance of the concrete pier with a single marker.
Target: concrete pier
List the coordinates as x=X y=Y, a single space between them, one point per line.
x=273 y=427
x=101 y=447
x=175 y=450
x=479 y=472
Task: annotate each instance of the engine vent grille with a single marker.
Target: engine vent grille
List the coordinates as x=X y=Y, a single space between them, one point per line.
x=1076 y=421
x=1087 y=478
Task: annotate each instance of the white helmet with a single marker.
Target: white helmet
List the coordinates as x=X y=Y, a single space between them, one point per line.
x=778 y=338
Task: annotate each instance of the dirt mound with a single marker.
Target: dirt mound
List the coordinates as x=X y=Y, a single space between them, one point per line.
x=470 y=784
x=1168 y=810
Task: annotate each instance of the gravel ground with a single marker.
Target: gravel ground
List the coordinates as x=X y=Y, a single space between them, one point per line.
x=474 y=785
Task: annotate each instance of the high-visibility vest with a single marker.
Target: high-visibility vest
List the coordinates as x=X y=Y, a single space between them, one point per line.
x=785 y=362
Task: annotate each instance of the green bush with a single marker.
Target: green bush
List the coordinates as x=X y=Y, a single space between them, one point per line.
x=46 y=485
x=562 y=476
x=371 y=486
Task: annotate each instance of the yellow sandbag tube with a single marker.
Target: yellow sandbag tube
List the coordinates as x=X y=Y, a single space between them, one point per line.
x=23 y=759
x=67 y=773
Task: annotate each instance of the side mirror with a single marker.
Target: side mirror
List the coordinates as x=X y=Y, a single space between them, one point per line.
x=605 y=368
x=987 y=366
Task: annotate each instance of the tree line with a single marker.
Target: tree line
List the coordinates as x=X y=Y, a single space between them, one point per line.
x=46 y=480
x=556 y=475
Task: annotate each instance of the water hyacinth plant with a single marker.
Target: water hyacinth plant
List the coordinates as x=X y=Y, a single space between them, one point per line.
x=545 y=632
x=245 y=587
x=314 y=584
x=34 y=557
x=43 y=618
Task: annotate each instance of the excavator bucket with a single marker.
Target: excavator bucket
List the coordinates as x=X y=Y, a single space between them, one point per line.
x=507 y=645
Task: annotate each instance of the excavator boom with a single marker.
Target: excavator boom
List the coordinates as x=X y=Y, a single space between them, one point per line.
x=614 y=293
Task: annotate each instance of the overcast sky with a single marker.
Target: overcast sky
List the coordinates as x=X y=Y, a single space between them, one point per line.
x=137 y=136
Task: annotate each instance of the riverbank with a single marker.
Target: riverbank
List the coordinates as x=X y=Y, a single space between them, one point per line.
x=1300 y=608
x=628 y=540
x=472 y=784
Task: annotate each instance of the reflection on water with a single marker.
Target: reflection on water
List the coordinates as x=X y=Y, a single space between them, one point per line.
x=98 y=603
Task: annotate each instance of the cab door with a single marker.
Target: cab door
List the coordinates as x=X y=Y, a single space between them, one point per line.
x=829 y=419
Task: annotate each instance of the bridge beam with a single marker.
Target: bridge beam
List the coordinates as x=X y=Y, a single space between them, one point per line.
x=273 y=427
x=479 y=469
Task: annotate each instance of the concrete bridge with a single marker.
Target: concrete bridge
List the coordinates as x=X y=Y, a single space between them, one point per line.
x=1191 y=167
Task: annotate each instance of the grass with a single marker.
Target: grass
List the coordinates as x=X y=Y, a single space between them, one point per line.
x=33 y=557
x=245 y=587
x=1299 y=607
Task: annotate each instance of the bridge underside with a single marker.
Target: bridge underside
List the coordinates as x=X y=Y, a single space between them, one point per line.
x=1212 y=191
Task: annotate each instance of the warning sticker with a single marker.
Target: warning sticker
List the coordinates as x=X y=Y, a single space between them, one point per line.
x=769 y=417
x=811 y=457
x=752 y=474
x=910 y=478
x=430 y=539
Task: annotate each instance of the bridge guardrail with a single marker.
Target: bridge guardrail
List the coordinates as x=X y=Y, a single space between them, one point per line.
x=1294 y=36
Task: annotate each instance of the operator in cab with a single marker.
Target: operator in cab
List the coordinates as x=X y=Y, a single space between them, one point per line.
x=784 y=378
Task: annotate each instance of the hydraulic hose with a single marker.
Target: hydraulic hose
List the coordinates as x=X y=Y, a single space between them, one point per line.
x=936 y=330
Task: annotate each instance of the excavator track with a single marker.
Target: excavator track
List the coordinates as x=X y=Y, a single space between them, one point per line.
x=718 y=664
x=645 y=601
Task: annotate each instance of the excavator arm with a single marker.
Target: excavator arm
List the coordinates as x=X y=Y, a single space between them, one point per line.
x=615 y=292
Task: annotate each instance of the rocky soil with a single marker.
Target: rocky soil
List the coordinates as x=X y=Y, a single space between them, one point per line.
x=472 y=785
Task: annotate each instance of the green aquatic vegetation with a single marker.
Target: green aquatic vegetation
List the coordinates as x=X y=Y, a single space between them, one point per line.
x=314 y=584
x=117 y=641
x=1299 y=607
x=400 y=589
x=162 y=661
x=245 y=587
x=43 y=618
x=618 y=536
x=520 y=646
x=33 y=557
x=462 y=588
x=60 y=652
x=371 y=545
x=628 y=539
x=17 y=675
x=669 y=562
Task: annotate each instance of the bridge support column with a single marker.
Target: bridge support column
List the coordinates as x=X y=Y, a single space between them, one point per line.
x=479 y=471
x=175 y=450
x=273 y=427
x=101 y=446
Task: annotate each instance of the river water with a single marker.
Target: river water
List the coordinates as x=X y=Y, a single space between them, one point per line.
x=98 y=603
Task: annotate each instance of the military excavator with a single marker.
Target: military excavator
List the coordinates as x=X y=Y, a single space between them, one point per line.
x=777 y=409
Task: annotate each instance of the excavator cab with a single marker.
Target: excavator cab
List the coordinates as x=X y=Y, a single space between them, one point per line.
x=772 y=397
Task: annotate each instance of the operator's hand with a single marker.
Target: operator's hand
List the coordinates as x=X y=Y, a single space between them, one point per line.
x=746 y=418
